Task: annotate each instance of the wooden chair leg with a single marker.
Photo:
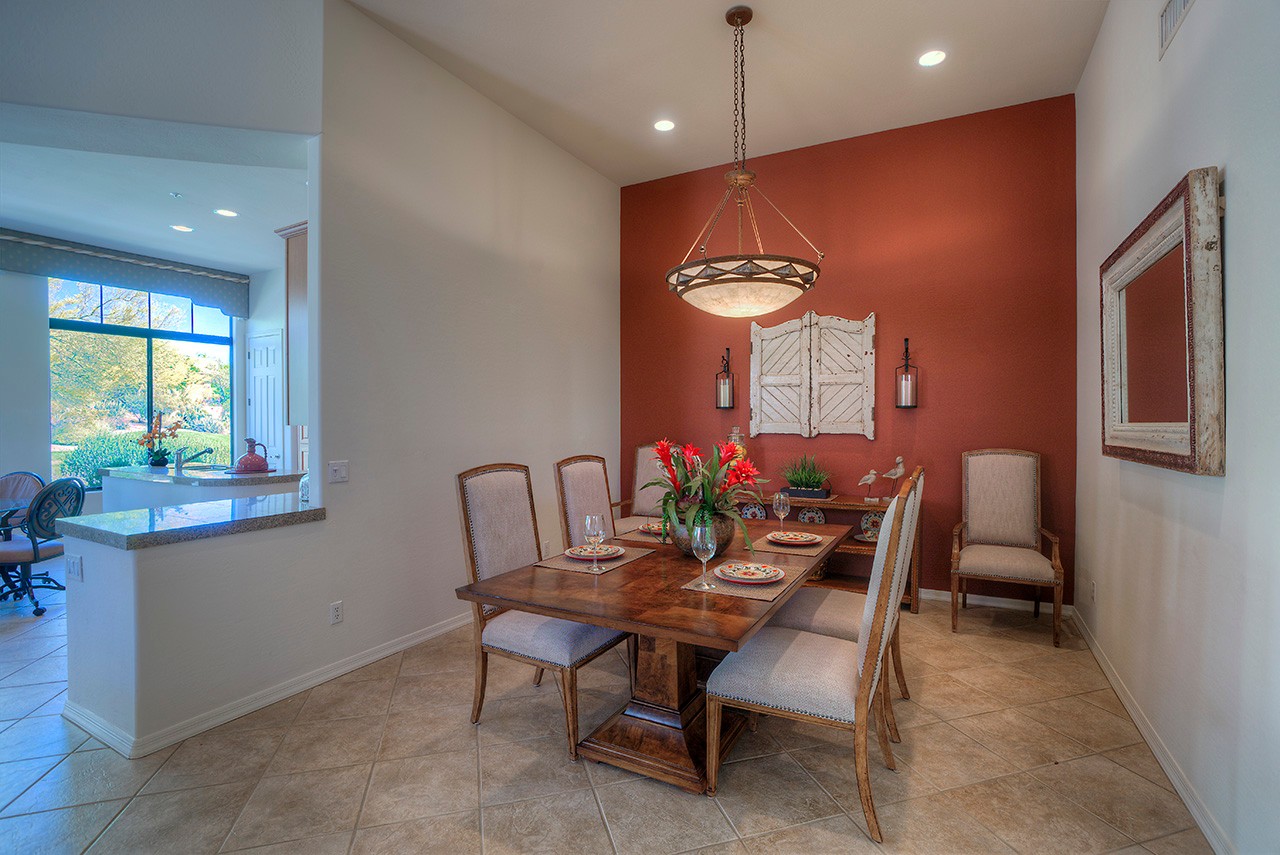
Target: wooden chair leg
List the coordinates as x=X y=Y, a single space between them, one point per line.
x=863 y=771
x=1035 y=611
x=964 y=593
x=1057 y=615
x=882 y=725
x=569 y=682
x=955 y=601
x=537 y=676
x=482 y=673
x=889 y=720
x=713 y=744
x=895 y=647
x=633 y=653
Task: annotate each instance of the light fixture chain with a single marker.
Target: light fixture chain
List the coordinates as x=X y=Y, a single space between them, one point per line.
x=739 y=149
x=742 y=92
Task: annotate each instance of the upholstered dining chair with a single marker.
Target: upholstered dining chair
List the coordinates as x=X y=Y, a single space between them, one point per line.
x=38 y=542
x=582 y=484
x=16 y=488
x=827 y=611
x=500 y=531
x=645 y=502
x=821 y=679
x=1000 y=537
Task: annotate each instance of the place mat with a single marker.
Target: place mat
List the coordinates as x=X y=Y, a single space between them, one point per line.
x=638 y=536
x=564 y=562
x=763 y=545
x=735 y=589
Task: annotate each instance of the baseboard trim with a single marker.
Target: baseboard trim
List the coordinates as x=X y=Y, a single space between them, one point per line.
x=997 y=602
x=1200 y=812
x=132 y=748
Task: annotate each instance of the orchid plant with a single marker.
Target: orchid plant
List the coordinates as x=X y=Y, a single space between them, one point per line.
x=153 y=440
x=697 y=489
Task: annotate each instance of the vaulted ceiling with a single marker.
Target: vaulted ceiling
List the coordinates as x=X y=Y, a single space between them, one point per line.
x=594 y=75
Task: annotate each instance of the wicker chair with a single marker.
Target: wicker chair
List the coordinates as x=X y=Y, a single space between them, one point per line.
x=501 y=534
x=819 y=678
x=1000 y=537
x=827 y=611
x=62 y=498
x=582 y=484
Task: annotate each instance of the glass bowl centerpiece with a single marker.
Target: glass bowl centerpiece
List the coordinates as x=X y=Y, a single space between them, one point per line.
x=706 y=490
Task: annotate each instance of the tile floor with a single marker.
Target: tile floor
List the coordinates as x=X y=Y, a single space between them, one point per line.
x=1008 y=745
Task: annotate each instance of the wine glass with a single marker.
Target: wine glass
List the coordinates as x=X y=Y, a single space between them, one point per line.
x=781 y=507
x=593 y=531
x=703 y=539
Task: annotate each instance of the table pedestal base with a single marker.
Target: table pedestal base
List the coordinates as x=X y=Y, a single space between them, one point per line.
x=662 y=731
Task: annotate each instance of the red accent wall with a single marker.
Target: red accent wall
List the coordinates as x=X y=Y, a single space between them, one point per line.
x=959 y=234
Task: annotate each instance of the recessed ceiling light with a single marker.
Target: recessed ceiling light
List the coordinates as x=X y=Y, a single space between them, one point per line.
x=933 y=57
x=224 y=212
x=663 y=125
x=182 y=228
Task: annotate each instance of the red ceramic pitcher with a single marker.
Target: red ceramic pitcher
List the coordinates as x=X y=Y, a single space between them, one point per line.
x=251 y=461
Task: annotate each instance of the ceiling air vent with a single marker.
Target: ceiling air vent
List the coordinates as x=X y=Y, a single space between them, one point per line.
x=1170 y=19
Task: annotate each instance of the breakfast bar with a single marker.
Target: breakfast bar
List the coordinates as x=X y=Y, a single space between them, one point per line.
x=128 y=487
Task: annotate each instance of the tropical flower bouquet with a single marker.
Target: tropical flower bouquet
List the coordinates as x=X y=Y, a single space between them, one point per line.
x=704 y=491
x=153 y=440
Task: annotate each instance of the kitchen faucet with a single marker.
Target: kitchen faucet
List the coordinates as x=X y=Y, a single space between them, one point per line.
x=181 y=459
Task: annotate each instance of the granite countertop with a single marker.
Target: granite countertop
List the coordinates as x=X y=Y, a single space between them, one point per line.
x=197 y=477
x=139 y=529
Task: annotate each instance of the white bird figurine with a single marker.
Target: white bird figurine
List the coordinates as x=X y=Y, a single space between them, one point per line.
x=870 y=480
x=894 y=474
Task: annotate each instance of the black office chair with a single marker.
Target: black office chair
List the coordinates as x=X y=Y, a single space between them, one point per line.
x=61 y=498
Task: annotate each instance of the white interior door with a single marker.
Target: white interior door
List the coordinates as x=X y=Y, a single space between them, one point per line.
x=265 y=403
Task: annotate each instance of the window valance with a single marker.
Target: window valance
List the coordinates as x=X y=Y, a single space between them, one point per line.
x=21 y=252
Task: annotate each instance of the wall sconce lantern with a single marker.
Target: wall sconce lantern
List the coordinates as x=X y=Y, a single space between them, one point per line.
x=724 y=384
x=907 y=377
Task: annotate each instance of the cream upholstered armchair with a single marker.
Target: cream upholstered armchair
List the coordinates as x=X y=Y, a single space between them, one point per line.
x=1000 y=537
x=582 y=483
x=500 y=531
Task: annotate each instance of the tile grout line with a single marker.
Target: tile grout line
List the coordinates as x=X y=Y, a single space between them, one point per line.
x=368 y=781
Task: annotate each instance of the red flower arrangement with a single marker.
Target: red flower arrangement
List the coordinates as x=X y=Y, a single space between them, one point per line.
x=697 y=489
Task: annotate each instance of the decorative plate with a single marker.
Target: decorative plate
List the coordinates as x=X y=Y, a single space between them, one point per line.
x=812 y=516
x=792 y=538
x=652 y=528
x=866 y=538
x=871 y=522
x=587 y=553
x=749 y=574
x=753 y=511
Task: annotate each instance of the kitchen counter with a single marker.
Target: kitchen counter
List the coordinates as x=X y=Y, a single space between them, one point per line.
x=199 y=477
x=145 y=527
x=130 y=487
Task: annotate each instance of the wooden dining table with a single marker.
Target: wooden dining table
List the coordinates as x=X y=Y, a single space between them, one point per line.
x=661 y=731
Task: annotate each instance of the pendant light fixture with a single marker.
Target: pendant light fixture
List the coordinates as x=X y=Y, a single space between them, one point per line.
x=744 y=284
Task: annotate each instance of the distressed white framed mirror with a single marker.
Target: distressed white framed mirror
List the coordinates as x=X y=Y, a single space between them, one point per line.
x=1163 y=377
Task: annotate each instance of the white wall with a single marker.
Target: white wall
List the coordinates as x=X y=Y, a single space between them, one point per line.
x=468 y=313
x=234 y=63
x=1187 y=568
x=24 y=355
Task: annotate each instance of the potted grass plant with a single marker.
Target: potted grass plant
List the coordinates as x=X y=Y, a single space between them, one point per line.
x=805 y=479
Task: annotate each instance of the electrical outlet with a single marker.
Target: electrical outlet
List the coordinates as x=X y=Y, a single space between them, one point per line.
x=75 y=567
x=1093 y=591
x=335 y=613
x=338 y=471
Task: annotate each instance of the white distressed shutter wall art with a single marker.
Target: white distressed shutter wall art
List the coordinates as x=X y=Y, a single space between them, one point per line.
x=780 y=378
x=814 y=375
x=844 y=378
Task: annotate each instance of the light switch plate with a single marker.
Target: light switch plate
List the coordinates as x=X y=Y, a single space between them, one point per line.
x=338 y=471
x=75 y=567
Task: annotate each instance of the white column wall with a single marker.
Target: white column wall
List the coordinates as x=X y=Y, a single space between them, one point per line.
x=1187 y=568
x=24 y=367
